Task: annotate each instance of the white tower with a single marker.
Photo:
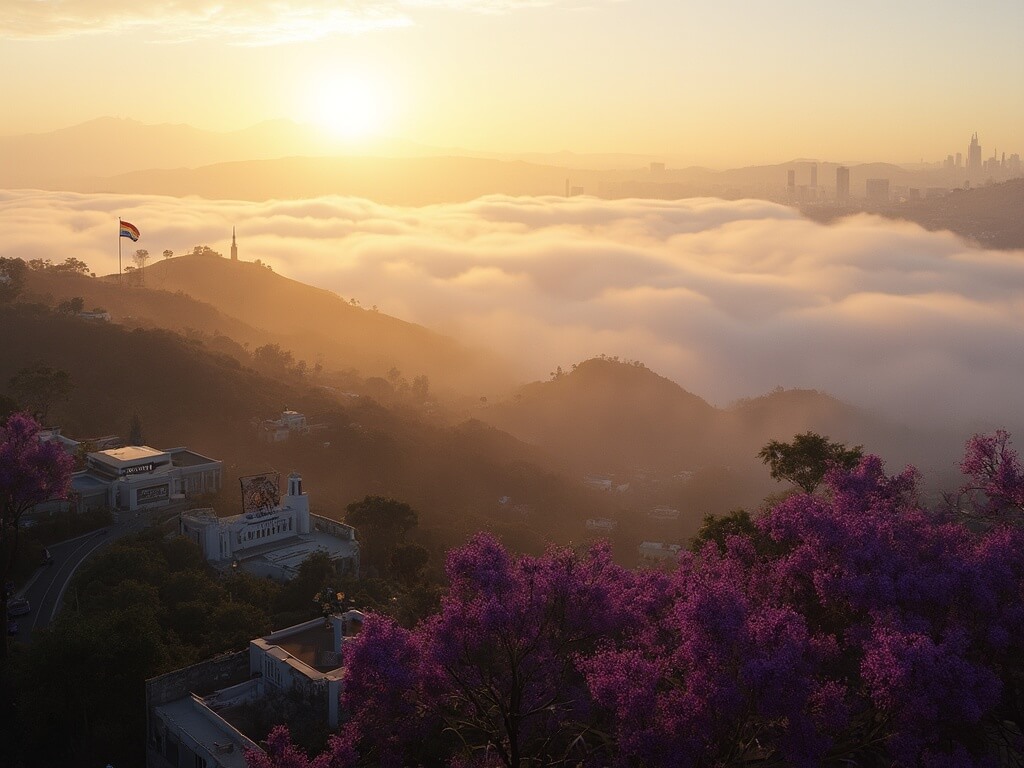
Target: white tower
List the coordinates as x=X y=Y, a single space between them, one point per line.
x=298 y=501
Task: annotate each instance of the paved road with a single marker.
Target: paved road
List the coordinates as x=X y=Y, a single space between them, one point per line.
x=46 y=590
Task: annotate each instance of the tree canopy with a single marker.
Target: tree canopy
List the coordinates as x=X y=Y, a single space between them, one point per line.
x=806 y=459
x=843 y=640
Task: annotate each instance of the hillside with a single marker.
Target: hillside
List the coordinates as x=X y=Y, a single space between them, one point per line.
x=246 y=305
x=317 y=325
x=180 y=391
x=185 y=394
x=394 y=181
x=605 y=415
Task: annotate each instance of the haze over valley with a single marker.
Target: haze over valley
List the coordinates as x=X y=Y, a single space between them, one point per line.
x=511 y=383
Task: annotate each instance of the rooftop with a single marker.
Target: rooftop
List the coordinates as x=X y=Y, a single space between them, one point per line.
x=290 y=552
x=192 y=717
x=128 y=455
x=183 y=457
x=313 y=646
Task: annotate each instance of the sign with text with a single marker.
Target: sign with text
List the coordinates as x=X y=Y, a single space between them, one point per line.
x=152 y=494
x=138 y=469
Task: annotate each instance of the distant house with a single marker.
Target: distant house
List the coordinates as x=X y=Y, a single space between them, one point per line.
x=599 y=482
x=602 y=524
x=271 y=542
x=195 y=716
x=283 y=428
x=658 y=552
x=664 y=513
x=97 y=314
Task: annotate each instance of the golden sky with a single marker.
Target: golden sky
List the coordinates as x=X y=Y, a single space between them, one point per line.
x=718 y=83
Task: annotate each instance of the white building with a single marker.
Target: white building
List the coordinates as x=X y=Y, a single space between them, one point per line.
x=139 y=477
x=281 y=429
x=272 y=542
x=194 y=714
x=658 y=552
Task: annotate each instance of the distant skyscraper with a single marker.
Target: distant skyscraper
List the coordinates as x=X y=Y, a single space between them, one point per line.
x=791 y=181
x=814 y=174
x=842 y=184
x=959 y=160
x=974 y=156
x=234 y=246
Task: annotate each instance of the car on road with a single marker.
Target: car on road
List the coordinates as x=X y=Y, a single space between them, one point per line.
x=47 y=557
x=18 y=606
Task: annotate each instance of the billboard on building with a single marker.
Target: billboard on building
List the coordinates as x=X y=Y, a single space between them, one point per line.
x=261 y=494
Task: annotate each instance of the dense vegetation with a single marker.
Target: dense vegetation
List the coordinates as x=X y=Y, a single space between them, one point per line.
x=848 y=627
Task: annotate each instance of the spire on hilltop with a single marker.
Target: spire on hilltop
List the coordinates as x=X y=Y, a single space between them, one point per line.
x=234 y=246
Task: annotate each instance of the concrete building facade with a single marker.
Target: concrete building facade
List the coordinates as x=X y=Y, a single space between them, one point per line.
x=272 y=542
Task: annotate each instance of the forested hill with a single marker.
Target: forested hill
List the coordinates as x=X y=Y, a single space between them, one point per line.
x=605 y=414
x=253 y=306
x=316 y=324
x=178 y=389
x=609 y=416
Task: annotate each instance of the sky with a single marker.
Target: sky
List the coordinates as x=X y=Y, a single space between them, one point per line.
x=730 y=299
x=723 y=83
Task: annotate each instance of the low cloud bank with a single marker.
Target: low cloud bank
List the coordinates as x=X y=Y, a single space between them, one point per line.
x=728 y=298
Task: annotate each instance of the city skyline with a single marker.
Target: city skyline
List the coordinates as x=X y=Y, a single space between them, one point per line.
x=720 y=85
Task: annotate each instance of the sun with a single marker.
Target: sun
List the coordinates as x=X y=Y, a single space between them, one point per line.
x=349 y=107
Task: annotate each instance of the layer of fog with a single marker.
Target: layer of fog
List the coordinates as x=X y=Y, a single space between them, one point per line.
x=730 y=299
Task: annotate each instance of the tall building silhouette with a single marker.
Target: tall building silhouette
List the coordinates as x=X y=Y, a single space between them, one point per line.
x=234 y=246
x=842 y=184
x=814 y=174
x=974 y=156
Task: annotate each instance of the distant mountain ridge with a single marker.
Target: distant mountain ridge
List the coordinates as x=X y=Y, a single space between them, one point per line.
x=610 y=416
x=283 y=159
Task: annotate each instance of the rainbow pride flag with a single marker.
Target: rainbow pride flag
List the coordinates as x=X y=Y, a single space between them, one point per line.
x=129 y=230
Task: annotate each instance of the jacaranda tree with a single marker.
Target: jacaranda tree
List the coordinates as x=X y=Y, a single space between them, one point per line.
x=31 y=472
x=850 y=627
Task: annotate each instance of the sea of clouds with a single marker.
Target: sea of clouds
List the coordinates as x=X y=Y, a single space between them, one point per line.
x=728 y=298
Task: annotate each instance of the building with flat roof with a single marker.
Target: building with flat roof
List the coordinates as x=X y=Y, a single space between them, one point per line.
x=196 y=716
x=658 y=552
x=282 y=428
x=139 y=477
x=274 y=540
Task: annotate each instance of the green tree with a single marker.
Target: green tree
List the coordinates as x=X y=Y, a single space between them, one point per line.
x=71 y=306
x=719 y=528
x=272 y=359
x=38 y=387
x=408 y=562
x=71 y=266
x=805 y=461
x=381 y=524
x=12 y=278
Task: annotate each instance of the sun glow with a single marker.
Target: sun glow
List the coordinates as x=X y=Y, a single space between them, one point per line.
x=349 y=107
